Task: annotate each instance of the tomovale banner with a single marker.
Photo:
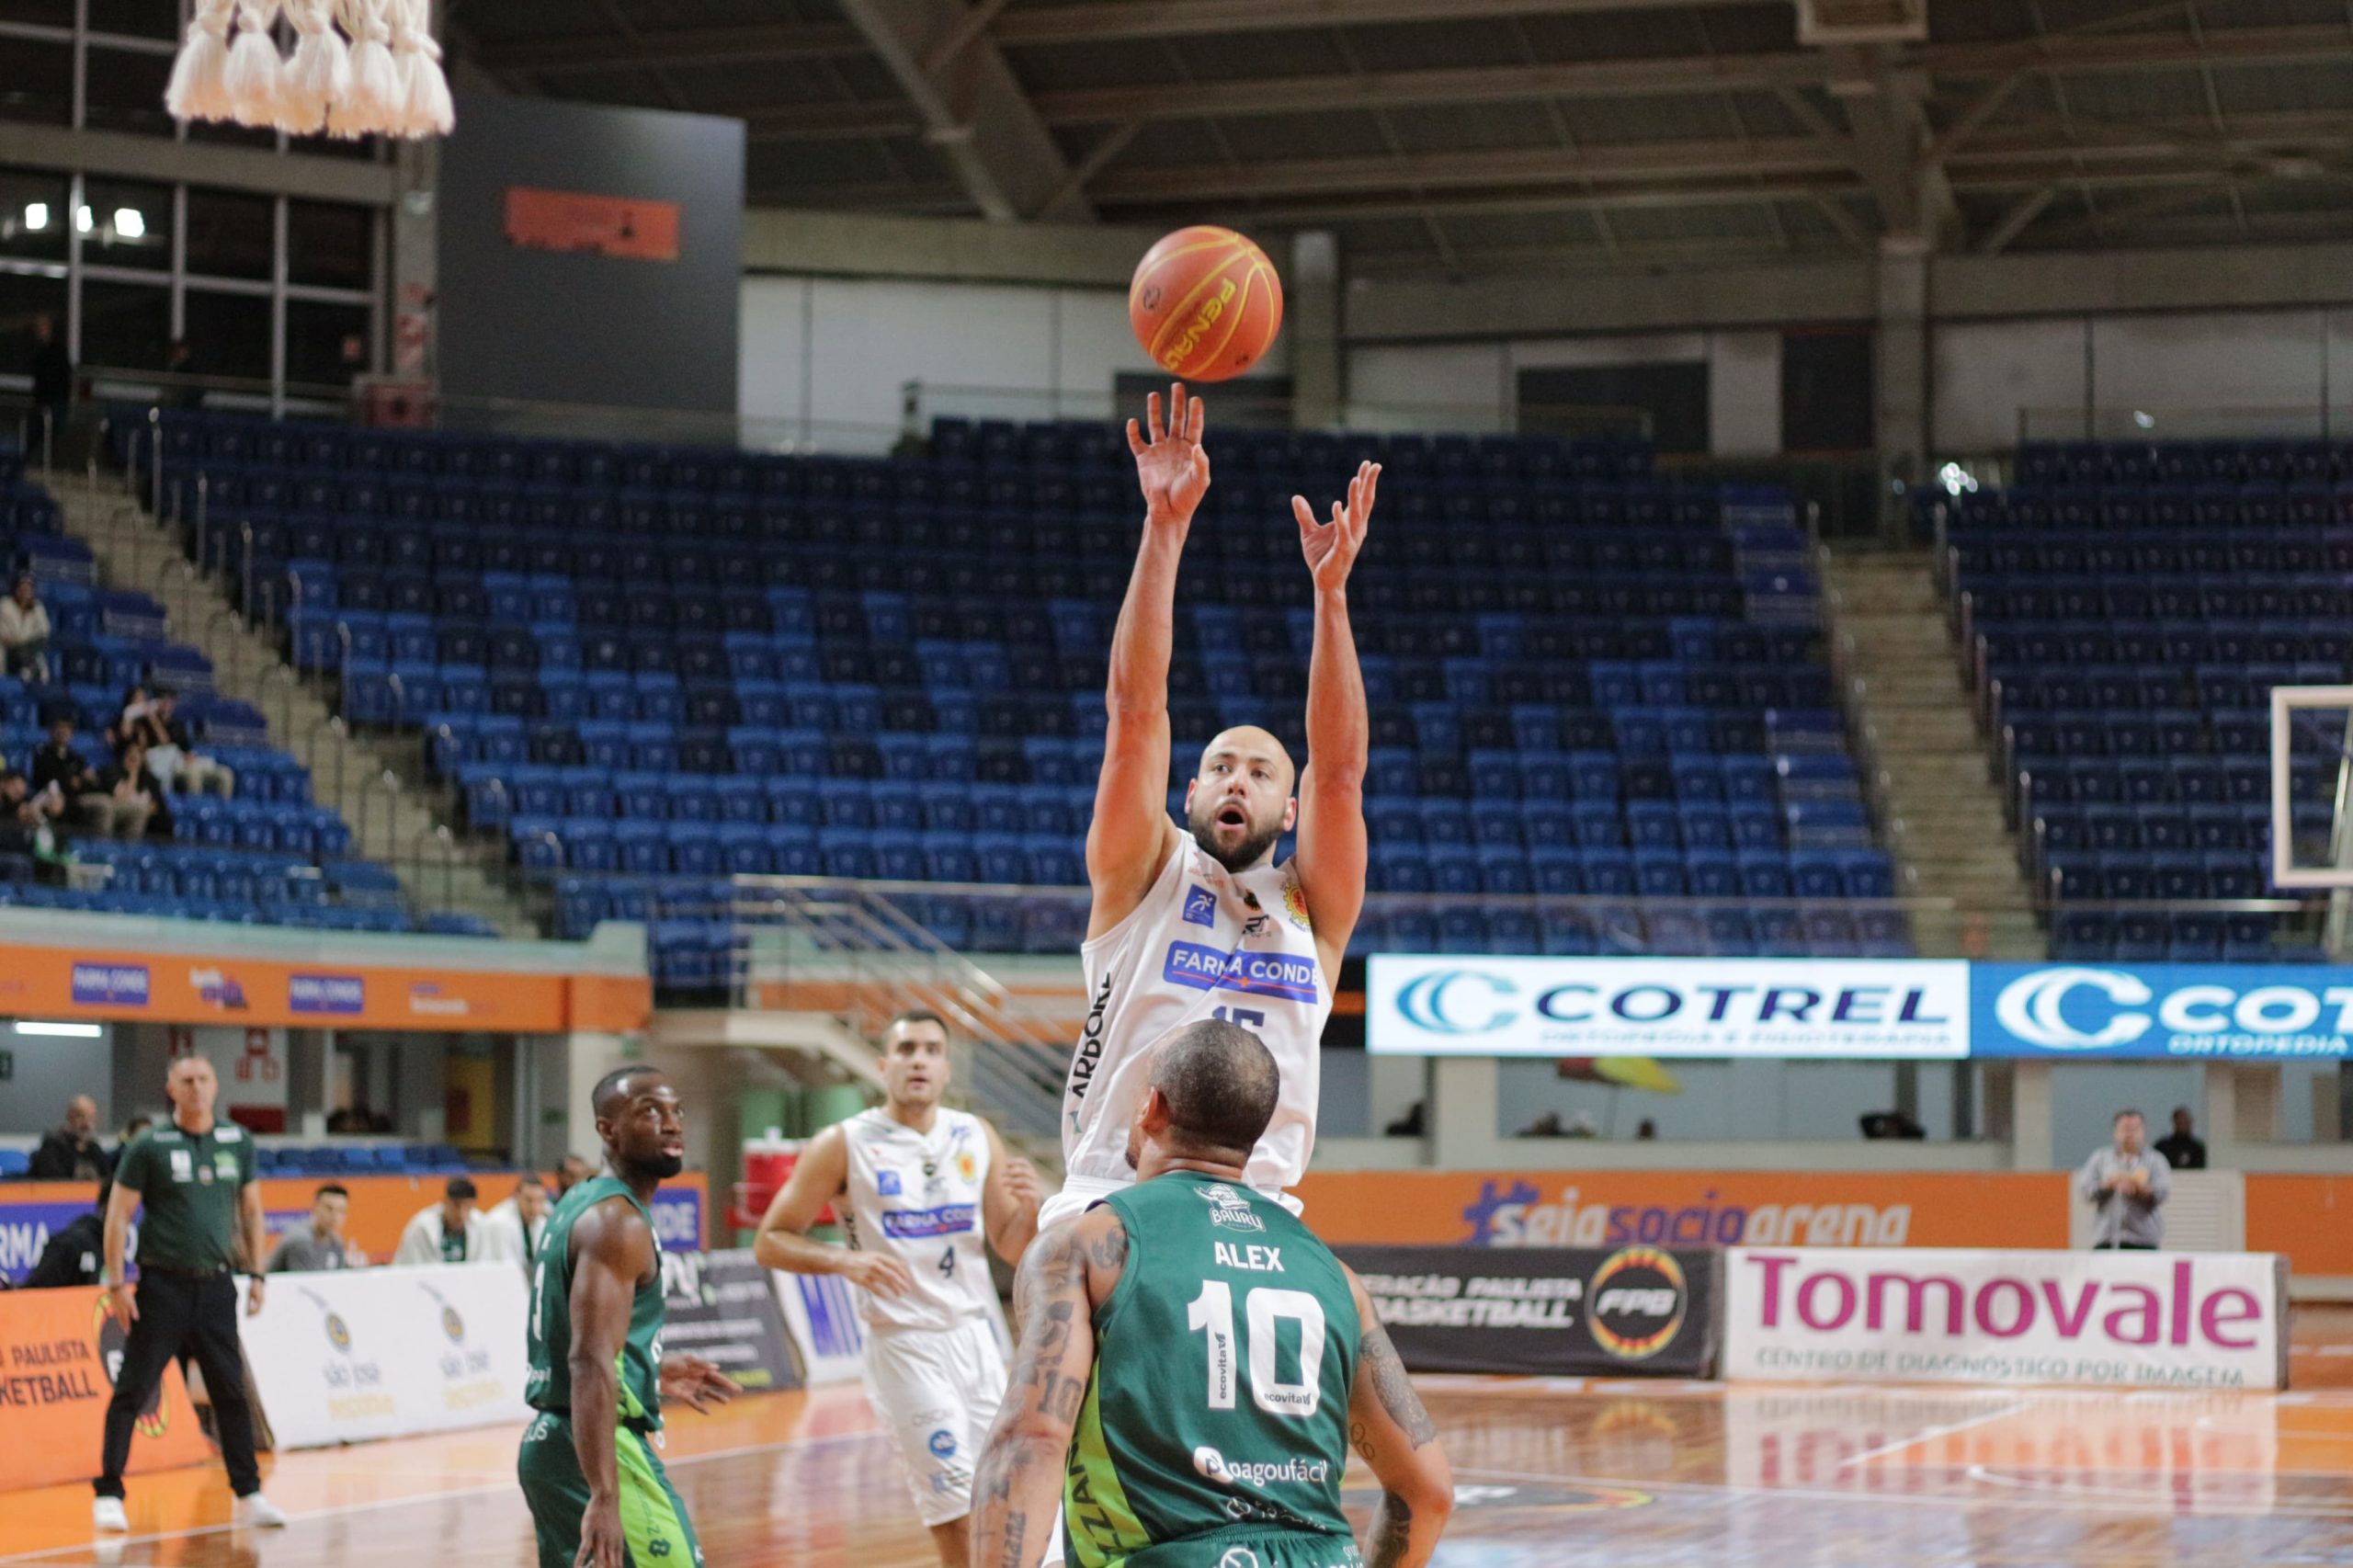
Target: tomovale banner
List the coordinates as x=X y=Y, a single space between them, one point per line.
x=1824 y=1008
x=2113 y=1319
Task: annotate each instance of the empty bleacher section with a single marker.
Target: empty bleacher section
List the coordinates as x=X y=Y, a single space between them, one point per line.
x=268 y=855
x=1597 y=705
x=2125 y=609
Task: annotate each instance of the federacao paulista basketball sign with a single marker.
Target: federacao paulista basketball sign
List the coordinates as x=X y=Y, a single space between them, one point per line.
x=1854 y=1009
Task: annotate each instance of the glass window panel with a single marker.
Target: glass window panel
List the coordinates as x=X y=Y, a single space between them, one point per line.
x=39 y=13
x=228 y=335
x=34 y=214
x=24 y=296
x=122 y=91
x=37 y=81
x=129 y=224
x=328 y=243
x=228 y=233
x=326 y=345
x=125 y=327
x=134 y=18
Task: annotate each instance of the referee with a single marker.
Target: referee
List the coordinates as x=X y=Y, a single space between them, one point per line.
x=196 y=1178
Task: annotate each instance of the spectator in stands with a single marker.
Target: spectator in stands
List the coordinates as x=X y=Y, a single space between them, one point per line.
x=52 y=373
x=517 y=1224
x=171 y=757
x=131 y=1129
x=1647 y=1131
x=131 y=803
x=319 y=1246
x=25 y=632
x=76 y=1255
x=2182 y=1149
x=450 y=1231
x=59 y=771
x=571 y=1173
x=2126 y=1184
x=72 y=1152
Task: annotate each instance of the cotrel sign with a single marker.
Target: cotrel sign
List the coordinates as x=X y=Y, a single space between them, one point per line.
x=2242 y=1011
x=1830 y=1009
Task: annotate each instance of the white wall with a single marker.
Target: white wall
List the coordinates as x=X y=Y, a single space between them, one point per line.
x=1473 y=387
x=47 y=1073
x=825 y=359
x=2199 y=373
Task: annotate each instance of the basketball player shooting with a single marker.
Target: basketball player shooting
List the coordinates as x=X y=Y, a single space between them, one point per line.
x=1198 y=922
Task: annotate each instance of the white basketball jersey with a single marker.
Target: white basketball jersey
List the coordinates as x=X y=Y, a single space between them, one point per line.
x=1204 y=943
x=918 y=1197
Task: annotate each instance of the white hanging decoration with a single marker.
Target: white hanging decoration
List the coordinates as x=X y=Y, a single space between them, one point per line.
x=253 y=70
x=372 y=102
x=199 y=88
x=426 y=108
x=318 y=73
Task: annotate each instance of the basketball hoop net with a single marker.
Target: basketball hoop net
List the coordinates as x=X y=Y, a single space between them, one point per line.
x=358 y=68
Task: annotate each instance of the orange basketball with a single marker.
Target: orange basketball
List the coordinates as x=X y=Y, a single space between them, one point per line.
x=1205 y=303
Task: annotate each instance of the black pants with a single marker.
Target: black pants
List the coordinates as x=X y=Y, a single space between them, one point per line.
x=179 y=1315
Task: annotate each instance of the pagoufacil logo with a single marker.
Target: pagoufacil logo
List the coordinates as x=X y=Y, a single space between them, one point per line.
x=2033 y=1008
x=1444 y=1001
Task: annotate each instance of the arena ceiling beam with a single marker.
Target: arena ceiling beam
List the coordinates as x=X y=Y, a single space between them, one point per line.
x=1105 y=20
x=1488 y=168
x=573 y=54
x=830 y=122
x=971 y=107
x=2008 y=61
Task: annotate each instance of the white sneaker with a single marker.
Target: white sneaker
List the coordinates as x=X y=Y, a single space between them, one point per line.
x=257 y=1512
x=107 y=1513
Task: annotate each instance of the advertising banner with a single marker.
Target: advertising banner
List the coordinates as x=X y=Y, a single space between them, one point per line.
x=723 y=1308
x=66 y=983
x=368 y=1352
x=59 y=1351
x=1689 y=1209
x=1569 y=1312
x=820 y=1317
x=381 y=1205
x=1796 y=1008
x=2160 y=1012
x=2110 y=1319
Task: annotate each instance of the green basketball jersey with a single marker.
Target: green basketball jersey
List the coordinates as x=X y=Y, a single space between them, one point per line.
x=1219 y=1404
x=549 y=1385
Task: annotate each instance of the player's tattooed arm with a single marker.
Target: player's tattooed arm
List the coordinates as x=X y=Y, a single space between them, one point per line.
x=1390 y=1427
x=1016 y=1488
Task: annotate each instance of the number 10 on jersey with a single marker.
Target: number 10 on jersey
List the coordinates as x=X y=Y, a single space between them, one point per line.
x=1264 y=1307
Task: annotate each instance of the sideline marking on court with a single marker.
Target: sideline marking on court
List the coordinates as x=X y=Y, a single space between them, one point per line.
x=1930 y=1434
x=113 y=1543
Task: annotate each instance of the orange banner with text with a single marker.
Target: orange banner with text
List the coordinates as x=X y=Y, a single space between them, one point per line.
x=61 y=1349
x=382 y=1205
x=190 y=989
x=1689 y=1209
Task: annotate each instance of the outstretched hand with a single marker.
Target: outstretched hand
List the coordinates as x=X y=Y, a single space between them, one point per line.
x=695 y=1382
x=1172 y=467
x=1331 y=548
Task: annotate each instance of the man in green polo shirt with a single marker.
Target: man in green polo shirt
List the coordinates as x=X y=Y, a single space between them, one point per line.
x=195 y=1179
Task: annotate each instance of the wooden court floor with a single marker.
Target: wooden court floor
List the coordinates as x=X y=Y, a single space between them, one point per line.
x=1551 y=1472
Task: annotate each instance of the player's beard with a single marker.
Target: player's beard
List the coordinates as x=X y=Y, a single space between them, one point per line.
x=660 y=1167
x=1202 y=821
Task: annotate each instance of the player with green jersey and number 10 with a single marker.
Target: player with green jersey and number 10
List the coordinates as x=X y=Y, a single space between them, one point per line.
x=598 y=1494
x=1194 y=1363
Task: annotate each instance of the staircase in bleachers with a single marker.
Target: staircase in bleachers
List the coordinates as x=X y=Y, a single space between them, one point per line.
x=2125 y=608
x=1599 y=719
x=270 y=853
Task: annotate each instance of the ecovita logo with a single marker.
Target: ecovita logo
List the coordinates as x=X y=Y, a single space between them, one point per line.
x=1457 y=1001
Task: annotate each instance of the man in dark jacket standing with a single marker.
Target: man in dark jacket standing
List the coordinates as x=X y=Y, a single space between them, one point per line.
x=72 y=1152
x=52 y=373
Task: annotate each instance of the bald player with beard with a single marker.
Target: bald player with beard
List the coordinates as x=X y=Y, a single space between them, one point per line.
x=1199 y=922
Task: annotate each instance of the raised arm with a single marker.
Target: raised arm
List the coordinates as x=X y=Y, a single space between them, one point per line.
x=1131 y=832
x=613 y=1249
x=1331 y=859
x=1016 y=1490
x=1397 y=1438
x=820 y=1175
x=1010 y=1201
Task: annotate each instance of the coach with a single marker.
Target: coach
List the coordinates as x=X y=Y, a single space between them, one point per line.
x=195 y=1180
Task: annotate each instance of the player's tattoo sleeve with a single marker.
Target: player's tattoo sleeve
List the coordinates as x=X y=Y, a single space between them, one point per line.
x=1015 y=1488
x=1377 y=1357
x=1393 y=1532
